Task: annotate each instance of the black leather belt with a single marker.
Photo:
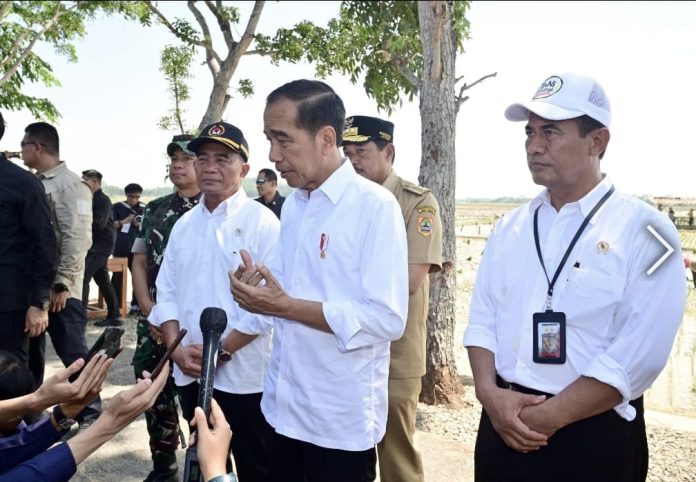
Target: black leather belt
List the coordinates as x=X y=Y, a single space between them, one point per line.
x=518 y=388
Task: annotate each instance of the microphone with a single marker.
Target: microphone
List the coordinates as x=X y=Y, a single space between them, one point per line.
x=213 y=323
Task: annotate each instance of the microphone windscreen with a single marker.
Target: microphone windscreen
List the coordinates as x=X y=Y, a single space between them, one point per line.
x=213 y=320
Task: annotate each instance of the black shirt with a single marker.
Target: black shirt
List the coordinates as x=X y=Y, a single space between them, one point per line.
x=27 y=241
x=124 y=241
x=275 y=205
x=103 y=229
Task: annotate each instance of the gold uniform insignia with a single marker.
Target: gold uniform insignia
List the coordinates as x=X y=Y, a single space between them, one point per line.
x=602 y=247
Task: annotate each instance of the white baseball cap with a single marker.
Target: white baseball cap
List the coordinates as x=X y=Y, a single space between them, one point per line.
x=562 y=97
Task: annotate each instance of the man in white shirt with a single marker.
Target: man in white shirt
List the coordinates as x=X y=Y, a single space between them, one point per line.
x=204 y=245
x=338 y=294
x=564 y=345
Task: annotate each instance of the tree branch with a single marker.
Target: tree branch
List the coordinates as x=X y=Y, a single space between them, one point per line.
x=222 y=22
x=440 y=12
x=461 y=98
x=235 y=54
x=400 y=64
x=5 y=9
x=27 y=50
x=211 y=57
x=171 y=27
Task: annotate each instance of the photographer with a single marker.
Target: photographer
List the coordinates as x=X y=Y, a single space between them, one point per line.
x=127 y=216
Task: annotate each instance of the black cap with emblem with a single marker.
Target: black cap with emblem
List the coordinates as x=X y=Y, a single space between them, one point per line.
x=362 y=128
x=224 y=133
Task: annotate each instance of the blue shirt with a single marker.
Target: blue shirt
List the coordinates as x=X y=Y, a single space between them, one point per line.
x=23 y=456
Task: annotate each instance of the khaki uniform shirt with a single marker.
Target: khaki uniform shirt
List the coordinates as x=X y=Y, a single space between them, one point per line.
x=70 y=202
x=424 y=233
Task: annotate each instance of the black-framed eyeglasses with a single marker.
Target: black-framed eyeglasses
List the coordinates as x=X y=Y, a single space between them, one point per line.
x=22 y=143
x=260 y=181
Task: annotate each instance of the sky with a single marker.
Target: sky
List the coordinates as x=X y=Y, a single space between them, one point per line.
x=641 y=52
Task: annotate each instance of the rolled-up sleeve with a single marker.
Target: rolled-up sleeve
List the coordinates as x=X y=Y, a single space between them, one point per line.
x=646 y=322
x=380 y=315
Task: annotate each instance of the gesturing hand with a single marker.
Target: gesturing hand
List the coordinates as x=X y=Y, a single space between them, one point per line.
x=250 y=294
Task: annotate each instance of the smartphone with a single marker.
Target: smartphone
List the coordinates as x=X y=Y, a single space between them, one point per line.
x=168 y=354
x=109 y=341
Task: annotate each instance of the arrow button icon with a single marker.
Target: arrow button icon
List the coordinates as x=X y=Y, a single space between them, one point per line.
x=664 y=243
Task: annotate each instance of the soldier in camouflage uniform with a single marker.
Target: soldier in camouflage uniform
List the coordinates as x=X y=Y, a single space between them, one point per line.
x=158 y=220
x=368 y=143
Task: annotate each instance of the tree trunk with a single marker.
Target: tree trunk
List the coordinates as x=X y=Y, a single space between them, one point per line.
x=441 y=383
x=217 y=103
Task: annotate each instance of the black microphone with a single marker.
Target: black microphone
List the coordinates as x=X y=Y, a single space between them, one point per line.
x=213 y=323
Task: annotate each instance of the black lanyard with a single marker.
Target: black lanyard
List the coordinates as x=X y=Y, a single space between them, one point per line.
x=551 y=283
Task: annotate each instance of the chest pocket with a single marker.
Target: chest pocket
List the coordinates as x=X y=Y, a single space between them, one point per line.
x=590 y=291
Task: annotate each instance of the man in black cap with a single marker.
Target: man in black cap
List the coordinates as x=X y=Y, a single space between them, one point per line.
x=27 y=257
x=267 y=186
x=148 y=250
x=369 y=144
x=204 y=246
x=103 y=239
x=127 y=216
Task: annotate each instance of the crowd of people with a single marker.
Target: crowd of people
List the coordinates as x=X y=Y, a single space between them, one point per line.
x=326 y=294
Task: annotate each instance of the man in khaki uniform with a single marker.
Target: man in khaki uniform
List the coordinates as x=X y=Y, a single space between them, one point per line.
x=368 y=143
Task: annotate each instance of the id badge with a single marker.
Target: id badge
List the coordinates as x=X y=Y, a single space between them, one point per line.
x=549 y=337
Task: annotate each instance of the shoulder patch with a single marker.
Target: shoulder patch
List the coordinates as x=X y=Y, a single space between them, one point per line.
x=425 y=225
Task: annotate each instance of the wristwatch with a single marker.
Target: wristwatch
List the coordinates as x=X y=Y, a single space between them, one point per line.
x=60 y=287
x=222 y=354
x=63 y=422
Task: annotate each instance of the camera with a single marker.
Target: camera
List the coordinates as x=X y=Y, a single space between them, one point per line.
x=139 y=218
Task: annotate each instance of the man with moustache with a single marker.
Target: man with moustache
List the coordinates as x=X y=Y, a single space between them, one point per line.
x=564 y=345
x=148 y=251
x=205 y=244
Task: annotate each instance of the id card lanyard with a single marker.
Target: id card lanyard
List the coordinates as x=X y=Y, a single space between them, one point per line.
x=552 y=282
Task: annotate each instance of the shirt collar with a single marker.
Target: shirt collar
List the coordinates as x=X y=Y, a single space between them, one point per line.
x=391 y=181
x=585 y=204
x=54 y=171
x=227 y=206
x=336 y=183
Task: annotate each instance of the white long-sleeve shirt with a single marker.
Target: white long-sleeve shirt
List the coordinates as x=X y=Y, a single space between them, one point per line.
x=620 y=321
x=331 y=389
x=203 y=248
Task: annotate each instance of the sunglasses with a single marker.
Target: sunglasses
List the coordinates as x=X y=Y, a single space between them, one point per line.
x=260 y=181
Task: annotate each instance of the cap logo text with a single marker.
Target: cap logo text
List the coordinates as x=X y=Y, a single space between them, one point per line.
x=548 y=88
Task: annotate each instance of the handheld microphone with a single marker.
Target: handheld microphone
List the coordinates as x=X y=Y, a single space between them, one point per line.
x=213 y=323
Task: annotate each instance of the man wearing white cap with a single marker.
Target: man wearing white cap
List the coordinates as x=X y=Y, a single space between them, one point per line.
x=563 y=347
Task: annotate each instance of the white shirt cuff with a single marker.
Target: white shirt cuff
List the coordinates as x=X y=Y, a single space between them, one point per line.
x=344 y=327
x=163 y=312
x=606 y=370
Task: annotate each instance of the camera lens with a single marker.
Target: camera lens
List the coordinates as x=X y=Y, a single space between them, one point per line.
x=139 y=219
